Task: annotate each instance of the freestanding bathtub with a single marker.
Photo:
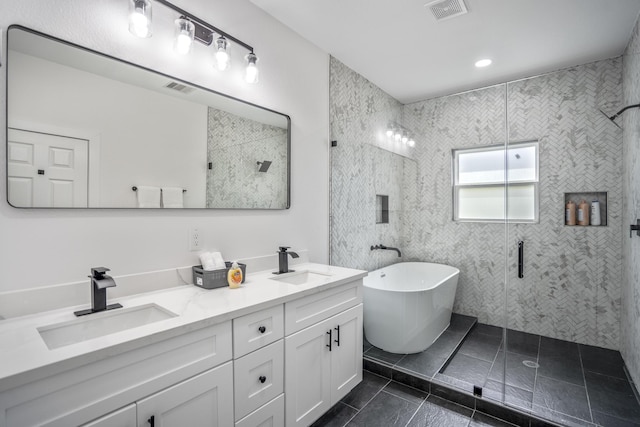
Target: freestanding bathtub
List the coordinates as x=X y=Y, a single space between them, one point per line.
x=408 y=305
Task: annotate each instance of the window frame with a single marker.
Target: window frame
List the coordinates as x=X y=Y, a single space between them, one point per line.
x=455 y=186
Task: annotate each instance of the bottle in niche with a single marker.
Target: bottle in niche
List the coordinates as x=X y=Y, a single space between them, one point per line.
x=583 y=213
x=595 y=213
x=570 y=215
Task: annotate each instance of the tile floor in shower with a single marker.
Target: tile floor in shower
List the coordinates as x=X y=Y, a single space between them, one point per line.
x=568 y=383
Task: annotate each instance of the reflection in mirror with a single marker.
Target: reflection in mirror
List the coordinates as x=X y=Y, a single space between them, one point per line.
x=84 y=129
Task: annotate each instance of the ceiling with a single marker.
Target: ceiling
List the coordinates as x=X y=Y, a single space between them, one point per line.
x=401 y=47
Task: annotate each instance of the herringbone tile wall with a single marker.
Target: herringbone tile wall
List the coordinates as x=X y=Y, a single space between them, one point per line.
x=360 y=169
x=571 y=288
x=234 y=145
x=630 y=316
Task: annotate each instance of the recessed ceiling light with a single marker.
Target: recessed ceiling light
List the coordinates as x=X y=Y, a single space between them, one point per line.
x=483 y=63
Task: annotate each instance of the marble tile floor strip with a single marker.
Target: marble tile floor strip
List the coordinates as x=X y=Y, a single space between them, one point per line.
x=379 y=401
x=568 y=383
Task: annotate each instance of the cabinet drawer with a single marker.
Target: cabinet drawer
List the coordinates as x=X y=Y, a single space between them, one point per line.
x=258 y=378
x=82 y=394
x=271 y=414
x=312 y=309
x=256 y=330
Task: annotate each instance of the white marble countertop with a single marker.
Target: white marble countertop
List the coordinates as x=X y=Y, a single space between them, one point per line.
x=25 y=357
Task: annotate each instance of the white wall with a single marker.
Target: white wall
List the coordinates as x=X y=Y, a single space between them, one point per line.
x=42 y=247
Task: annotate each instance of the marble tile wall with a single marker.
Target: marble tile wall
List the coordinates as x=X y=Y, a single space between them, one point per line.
x=234 y=145
x=630 y=122
x=361 y=169
x=571 y=288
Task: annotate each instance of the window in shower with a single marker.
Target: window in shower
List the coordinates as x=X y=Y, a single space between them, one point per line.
x=481 y=176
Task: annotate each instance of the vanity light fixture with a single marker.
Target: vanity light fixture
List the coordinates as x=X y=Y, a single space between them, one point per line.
x=222 y=55
x=140 y=18
x=184 y=36
x=251 y=73
x=190 y=28
x=399 y=134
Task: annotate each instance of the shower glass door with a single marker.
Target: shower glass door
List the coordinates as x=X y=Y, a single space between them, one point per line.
x=562 y=298
x=470 y=130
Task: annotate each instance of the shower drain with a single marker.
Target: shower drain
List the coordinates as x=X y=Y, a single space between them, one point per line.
x=530 y=364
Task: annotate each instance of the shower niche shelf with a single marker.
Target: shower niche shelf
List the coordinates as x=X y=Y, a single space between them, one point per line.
x=589 y=196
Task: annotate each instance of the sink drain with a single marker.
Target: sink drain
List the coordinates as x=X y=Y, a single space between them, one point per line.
x=530 y=364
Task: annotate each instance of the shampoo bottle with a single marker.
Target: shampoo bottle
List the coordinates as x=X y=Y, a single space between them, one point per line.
x=234 y=276
x=583 y=213
x=570 y=216
x=595 y=213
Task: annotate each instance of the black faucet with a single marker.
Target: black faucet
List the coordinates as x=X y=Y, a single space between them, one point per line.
x=283 y=260
x=388 y=248
x=99 y=284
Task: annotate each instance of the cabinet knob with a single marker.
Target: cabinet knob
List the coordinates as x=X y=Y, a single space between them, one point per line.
x=262 y=379
x=262 y=329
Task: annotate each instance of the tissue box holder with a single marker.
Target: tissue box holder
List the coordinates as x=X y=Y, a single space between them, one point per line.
x=214 y=278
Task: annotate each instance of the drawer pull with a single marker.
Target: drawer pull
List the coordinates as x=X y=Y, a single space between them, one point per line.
x=262 y=379
x=330 y=342
x=262 y=329
x=152 y=421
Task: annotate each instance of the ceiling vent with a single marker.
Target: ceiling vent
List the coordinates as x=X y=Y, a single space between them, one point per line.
x=179 y=87
x=445 y=9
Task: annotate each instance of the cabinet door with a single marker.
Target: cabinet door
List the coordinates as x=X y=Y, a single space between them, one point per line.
x=346 y=354
x=203 y=400
x=125 y=417
x=307 y=375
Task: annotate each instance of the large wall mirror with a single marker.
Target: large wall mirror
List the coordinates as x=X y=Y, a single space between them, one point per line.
x=86 y=130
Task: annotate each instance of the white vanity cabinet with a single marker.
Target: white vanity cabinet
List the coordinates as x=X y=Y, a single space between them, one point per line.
x=323 y=353
x=258 y=367
x=84 y=393
x=125 y=417
x=281 y=360
x=205 y=400
x=202 y=400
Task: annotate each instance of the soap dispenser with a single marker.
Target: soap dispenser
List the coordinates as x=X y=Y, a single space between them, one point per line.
x=234 y=276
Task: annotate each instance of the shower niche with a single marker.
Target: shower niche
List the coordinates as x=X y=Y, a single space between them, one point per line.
x=589 y=197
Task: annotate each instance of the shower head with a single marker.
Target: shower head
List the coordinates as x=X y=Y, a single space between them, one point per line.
x=616 y=115
x=264 y=165
x=612 y=118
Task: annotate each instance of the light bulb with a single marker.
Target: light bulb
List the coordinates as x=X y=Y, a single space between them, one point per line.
x=184 y=34
x=251 y=73
x=411 y=143
x=405 y=138
x=140 y=18
x=222 y=58
x=389 y=133
x=397 y=136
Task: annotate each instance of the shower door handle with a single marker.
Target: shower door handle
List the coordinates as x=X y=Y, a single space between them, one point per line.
x=520 y=259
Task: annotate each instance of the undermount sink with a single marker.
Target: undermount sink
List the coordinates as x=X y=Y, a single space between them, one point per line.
x=101 y=324
x=302 y=277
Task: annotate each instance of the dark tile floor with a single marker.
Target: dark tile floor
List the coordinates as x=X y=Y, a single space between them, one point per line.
x=567 y=383
x=379 y=401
